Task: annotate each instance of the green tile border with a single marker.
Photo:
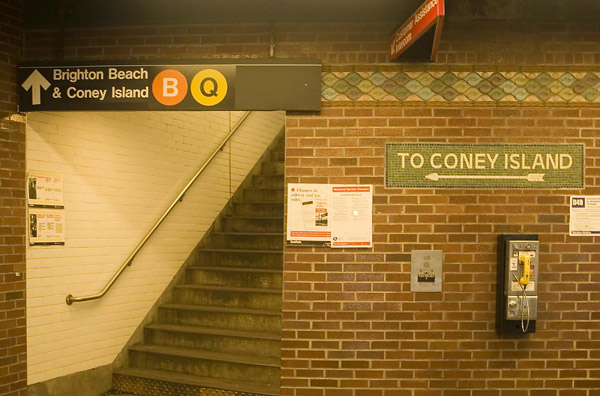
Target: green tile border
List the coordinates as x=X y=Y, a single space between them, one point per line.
x=414 y=85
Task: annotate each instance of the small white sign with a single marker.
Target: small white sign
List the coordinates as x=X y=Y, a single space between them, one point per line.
x=585 y=215
x=308 y=214
x=426 y=270
x=351 y=216
x=516 y=287
x=46 y=226
x=45 y=189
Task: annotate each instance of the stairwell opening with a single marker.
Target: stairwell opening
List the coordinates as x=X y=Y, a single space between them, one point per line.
x=217 y=326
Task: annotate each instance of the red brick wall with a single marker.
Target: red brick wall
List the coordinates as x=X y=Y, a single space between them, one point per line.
x=351 y=324
x=13 y=366
x=463 y=42
x=12 y=259
x=11 y=16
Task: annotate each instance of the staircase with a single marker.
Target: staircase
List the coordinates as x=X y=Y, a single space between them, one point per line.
x=221 y=332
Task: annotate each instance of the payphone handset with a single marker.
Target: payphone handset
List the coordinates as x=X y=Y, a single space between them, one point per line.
x=521 y=286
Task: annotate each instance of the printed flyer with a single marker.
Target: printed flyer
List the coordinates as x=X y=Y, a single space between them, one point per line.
x=585 y=215
x=45 y=190
x=308 y=215
x=329 y=215
x=352 y=216
x=46 y=227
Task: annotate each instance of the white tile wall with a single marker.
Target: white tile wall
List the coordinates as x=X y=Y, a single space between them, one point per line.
x=121 y=171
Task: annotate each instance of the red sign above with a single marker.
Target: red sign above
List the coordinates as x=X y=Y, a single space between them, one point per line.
x=430 y=13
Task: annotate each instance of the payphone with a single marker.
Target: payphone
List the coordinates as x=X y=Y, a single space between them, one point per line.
x=517 y=287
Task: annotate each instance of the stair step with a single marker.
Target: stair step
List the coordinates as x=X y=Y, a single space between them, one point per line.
x=257 y=208
x=231 y=289
x=268 y=181
x=274 y=195
x=254 y=224
x=272 y=168
x=143 y=381
x=208 y=355
x=214 y=339
x=221 y=317
x=277 y=155
x=268 y=259
x=207 y=308
x=245 y=240
x=234 y=276
x=205 y=363
x=216 y=331
x=236 y=269
x=225 y=296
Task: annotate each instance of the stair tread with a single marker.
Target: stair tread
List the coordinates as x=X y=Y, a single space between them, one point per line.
x=262 y=251
x=215 y=331
x=246 y=233
x=254 y=217
x=211 y=308
x=229 y=288
x=236 y=269
x=260 y=202
x=208 y=382
x=209 y=355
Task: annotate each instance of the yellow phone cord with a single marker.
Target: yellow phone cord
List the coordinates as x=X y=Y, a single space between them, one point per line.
x=523 y=282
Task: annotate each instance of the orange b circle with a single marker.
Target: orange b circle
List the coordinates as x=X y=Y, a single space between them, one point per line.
x=169 y=87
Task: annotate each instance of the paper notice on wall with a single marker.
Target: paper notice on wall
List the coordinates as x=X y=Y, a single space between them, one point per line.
x=308 y=214
x=45 y=190
x=585 y=215
x=46 y=226
x=352 y=216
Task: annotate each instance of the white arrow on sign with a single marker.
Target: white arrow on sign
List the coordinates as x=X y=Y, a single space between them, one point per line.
x=34 y=82
x=532 y=177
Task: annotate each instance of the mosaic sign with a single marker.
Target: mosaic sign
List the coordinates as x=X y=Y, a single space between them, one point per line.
x=441 y=165
x=397 y=86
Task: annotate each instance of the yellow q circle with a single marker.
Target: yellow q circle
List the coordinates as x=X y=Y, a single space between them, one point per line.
x=209 y=87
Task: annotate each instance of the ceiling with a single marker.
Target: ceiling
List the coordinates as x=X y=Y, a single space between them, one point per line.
x=80 y=13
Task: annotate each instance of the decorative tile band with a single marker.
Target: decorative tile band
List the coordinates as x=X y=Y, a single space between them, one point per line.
x=387 y=86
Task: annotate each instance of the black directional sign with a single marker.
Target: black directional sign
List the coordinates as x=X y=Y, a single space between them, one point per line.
x=263 y=85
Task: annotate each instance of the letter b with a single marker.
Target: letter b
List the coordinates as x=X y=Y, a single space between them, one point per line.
x=169 y=87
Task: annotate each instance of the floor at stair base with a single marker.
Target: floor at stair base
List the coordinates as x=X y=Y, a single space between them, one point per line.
x=180 y=385
x=202 y=366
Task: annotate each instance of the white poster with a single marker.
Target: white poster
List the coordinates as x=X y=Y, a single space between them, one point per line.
x=46 y=226
x=45 y=189
x=352 y=216
x=308 y=214
x=585 y=215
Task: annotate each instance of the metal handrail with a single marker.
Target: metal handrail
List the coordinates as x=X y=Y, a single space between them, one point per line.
x=71 y=299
